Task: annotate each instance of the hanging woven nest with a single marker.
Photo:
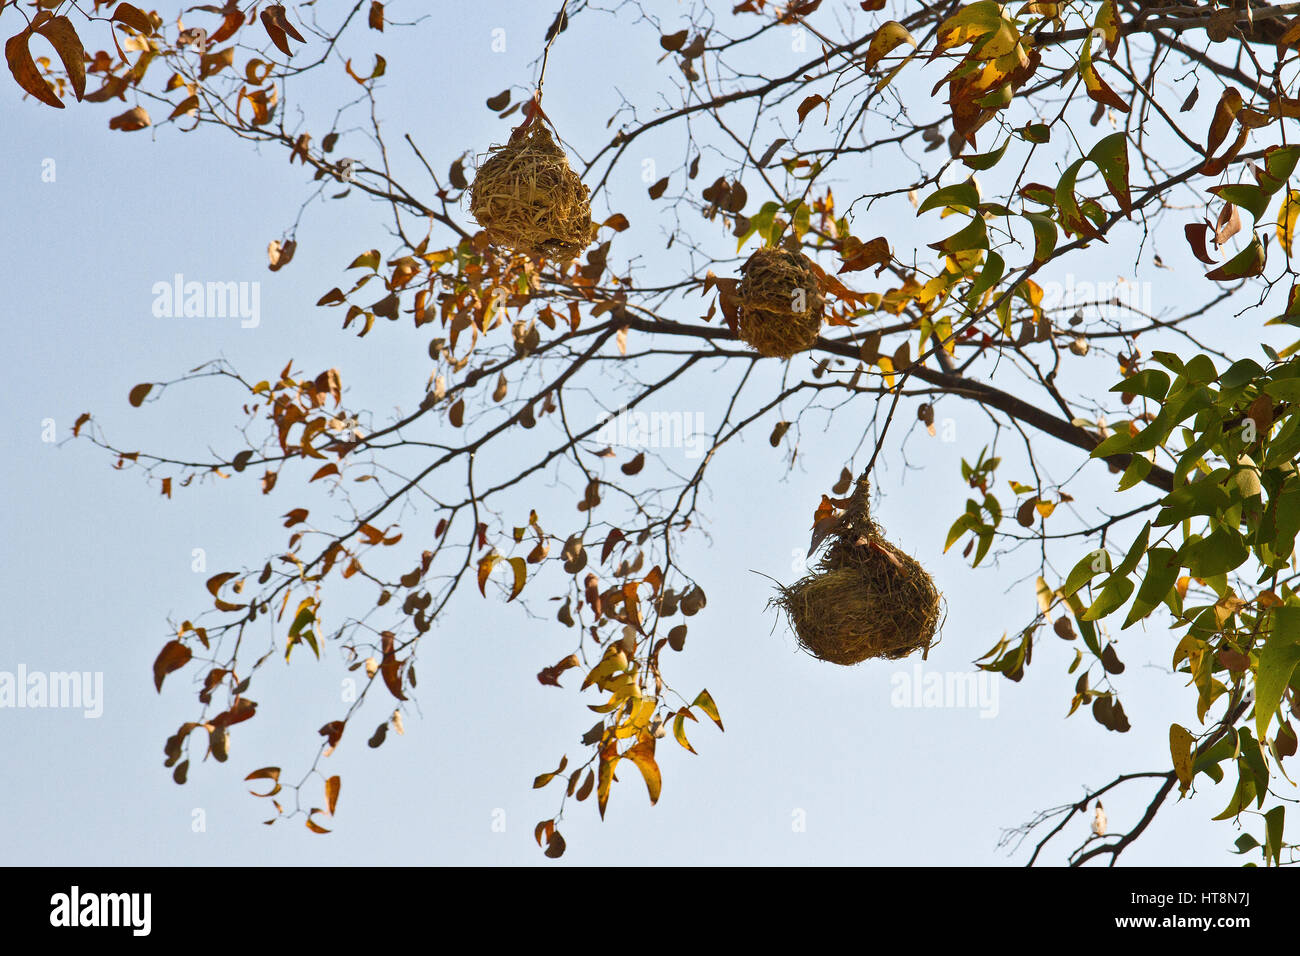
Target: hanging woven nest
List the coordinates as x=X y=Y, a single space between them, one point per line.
x=865 y=599
x=527 y=198
x=779 y=303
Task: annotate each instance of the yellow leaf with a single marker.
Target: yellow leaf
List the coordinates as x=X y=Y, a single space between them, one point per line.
x=1286 y=219
x=887 y=367
x=638 y=719
x=890 y=35
x=643 y=755
x=971 y=22
x=332 y=787
x=1045 y=596
x=485 y=569
x=1180 y=748
x=520 y=568
x=704 y=701
x=679 y=729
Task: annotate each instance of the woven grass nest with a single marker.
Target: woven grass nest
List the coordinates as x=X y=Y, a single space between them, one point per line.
x=865 y=599
x=774 y=282
x=527 y=198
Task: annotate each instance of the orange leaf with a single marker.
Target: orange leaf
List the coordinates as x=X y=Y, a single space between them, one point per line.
x=173 y=656
x=59 y=31
x=484 y=570
x=185 y=107
x=133 y=119
x=280 y=253
x=809 y=104
x=133 y=18
x=24 y=70
x=608 y=761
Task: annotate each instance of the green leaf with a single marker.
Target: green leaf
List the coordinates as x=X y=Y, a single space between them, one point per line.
x=1083 y=572
x=1150 y=383
x=1254 y=760
x=1199 y=370
x=1284 y=389
x=1204 y=497
x=1242 y=796
x=1281 y=521
x=1277 y=661
x=1249 y=197
x=1072 y=217
x=1035 y=132
x=1245 y=264
x=1139 y=467
x=967 y=522
x=1116 y=444
x=1221 y=552
x=1135 y=552
x=1273 y=821
x=1162 y=574
x=1241 y=373
x=994 y=267
x=985 y=537
x=1114 y=594
x=1208 y=761
x=974 y=236
x=1111 y=156
x=1179 y=406
x=1045 y=235
x=958 y=195
x=983 y=161
x=1279 y=163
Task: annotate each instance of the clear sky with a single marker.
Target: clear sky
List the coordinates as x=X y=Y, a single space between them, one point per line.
x=817 y=765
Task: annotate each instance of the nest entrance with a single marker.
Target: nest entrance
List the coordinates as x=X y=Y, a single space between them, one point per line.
x=865 y=599
x=779 y=304
x=527 y=198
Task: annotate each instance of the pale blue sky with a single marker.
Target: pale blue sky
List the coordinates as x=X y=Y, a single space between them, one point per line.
x=94 y=561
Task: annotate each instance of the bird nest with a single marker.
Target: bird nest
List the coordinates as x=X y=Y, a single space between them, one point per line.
x=779 y=303
x=527 y=198
x=865 y=599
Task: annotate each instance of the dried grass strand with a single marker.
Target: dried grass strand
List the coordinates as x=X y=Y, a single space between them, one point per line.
x=766 y=295
x=865 y=599
x=527 y=198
